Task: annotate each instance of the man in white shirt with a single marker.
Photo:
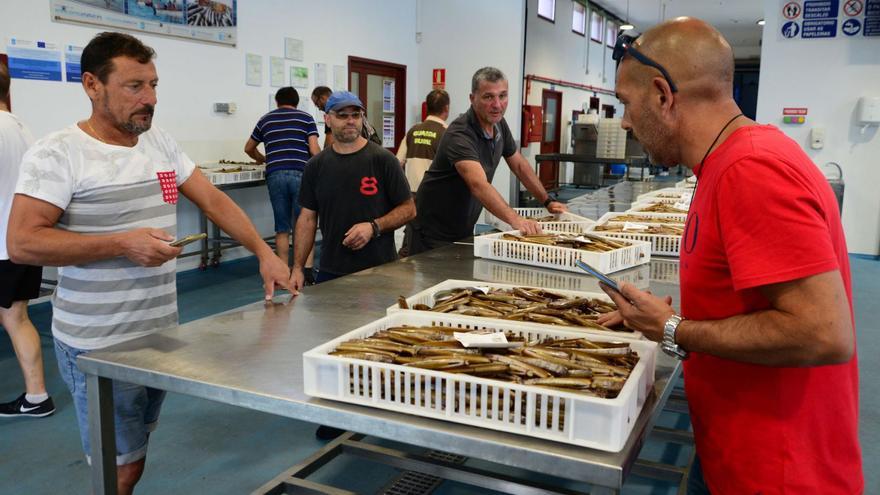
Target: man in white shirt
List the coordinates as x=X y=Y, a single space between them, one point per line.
x=20 y=282
x=98 y=199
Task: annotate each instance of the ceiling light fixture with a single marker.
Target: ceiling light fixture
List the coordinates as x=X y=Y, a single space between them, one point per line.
x=627 y=26
x=760 y=22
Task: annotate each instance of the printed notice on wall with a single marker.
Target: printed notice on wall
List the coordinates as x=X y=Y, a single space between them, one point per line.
x=320 y=74
x=293 y=49
x=72 y=66
x=37 y=60
x=828 y=19
x=276 y=72
x=253 y=69
x=388 y=95
x=388 y=131
x=299 y=77
x=339 y=78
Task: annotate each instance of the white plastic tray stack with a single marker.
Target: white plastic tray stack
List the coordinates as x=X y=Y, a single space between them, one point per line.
x=248 y=173
x=568 y=417
x=670 y=194
x=493 y=246
x=565 y=222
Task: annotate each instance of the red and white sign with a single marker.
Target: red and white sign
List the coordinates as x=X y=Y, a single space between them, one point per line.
x=439 y=79
x=794 y=111
x=791 y=10
x=853 y=7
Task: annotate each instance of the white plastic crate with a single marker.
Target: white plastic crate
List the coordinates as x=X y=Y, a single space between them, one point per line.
x=568 y=417
x=638 y=206
x=679 y=218
x=492 y=246
x=523 y=276
x=661 y=244
x=689 y=182
x=672 y=192
x=427 y=297
x=565 y=222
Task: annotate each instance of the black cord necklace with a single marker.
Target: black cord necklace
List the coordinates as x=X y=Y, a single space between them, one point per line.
x=707 y=154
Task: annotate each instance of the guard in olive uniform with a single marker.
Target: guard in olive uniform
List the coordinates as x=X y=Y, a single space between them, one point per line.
x=418 y=148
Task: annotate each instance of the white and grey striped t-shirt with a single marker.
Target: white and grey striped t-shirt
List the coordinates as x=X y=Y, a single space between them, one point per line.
x=105 y=189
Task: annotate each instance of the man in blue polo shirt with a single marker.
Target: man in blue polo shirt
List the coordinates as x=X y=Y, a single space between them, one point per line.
x=290 y=138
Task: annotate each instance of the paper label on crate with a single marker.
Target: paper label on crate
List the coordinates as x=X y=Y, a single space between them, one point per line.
x=488 y=340
x=681 y=205
x=631 y=226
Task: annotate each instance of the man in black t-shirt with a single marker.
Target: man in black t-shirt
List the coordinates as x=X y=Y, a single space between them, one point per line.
x=459 y=182
x=360 y=194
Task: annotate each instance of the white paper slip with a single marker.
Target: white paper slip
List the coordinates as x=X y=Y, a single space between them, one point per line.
x=477 y=339
x=583 y=239
x=630 y=226
x=682 y=206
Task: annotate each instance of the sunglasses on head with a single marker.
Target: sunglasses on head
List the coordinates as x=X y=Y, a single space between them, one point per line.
x=623 y=47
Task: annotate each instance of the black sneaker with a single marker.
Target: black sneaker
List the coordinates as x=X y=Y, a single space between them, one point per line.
x=21 y=407
x=309 y=274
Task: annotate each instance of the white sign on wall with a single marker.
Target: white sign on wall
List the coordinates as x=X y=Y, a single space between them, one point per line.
x=823 y=19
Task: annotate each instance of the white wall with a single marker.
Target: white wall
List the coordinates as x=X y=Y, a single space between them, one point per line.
x=828 y=76
x=554 y=51
x=463 y=36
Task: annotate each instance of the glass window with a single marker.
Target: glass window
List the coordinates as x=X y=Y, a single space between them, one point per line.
x=579 y=18
x=597 y=26
x=610 y=33
x=547 y=9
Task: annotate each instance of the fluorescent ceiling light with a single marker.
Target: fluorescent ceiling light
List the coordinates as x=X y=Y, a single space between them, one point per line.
x=760 y=22
x=627 y=27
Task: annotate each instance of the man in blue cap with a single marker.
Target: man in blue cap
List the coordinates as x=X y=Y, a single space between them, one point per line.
x=360 y=193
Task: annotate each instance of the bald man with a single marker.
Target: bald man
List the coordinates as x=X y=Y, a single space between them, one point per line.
x=766 y=325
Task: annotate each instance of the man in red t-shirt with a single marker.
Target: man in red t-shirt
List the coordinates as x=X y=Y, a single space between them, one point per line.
x=766 y=323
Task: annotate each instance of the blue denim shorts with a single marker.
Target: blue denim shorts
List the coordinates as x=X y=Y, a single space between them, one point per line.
x=136 y=408
x=284 y=194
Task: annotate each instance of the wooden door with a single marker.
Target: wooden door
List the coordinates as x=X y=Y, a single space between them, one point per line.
x=382 y=88
x=551 y=104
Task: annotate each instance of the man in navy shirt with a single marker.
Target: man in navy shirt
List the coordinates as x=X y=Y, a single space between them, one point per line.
x=290 y=138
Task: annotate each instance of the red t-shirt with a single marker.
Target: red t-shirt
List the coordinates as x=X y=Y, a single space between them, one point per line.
x=763 y=213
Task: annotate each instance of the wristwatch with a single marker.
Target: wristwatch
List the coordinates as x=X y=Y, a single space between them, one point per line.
x=376 y=230
x=549 y=200
x=668 y=343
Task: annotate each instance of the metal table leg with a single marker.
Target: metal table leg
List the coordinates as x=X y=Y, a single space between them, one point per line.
x=102 y=435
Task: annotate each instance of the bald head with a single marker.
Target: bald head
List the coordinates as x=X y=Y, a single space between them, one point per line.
x=698 y=58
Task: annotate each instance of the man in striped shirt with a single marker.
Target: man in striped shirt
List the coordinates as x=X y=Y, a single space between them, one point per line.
x=98 y=199
x=290 y=138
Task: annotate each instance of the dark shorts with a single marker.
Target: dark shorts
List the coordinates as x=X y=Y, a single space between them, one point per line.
x=284 y=194
x=416 y=241
x=20 y=282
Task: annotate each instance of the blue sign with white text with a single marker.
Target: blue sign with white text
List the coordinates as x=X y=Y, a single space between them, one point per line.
x=872 y=8
x=872 y=26
x=38 y=63
x=819 y=28
x=821 y=9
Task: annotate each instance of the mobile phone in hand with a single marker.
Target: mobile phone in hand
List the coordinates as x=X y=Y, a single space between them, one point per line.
x=188 y=239
x=596 y=273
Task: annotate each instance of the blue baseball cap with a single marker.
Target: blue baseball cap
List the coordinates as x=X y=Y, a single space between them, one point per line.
x=341 y=99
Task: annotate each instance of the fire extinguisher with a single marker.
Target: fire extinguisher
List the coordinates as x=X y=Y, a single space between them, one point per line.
x=424 y=110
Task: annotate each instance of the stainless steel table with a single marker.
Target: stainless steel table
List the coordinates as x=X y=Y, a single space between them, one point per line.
x=252 y=358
